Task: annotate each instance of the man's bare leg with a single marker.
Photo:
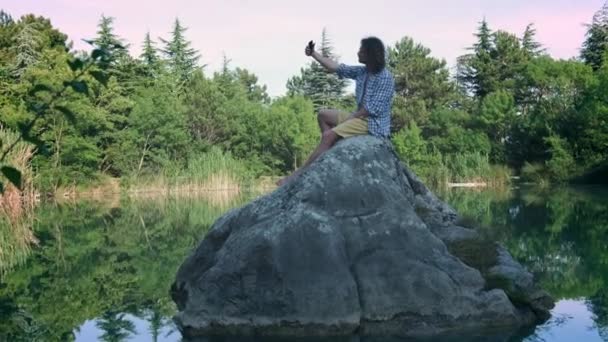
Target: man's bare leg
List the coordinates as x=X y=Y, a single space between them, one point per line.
x=328 y=119
x=328 y=139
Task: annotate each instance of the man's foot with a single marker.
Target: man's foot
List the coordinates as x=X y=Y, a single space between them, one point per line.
x=286 y=179
x=283 y=180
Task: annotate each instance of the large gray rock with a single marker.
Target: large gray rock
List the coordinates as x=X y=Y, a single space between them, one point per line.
x=355 y=244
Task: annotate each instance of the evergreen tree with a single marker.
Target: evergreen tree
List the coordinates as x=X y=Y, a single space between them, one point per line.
x=295 y=84
x=5 y=19
x=478 y=75
x=507 y=60
x=51 y=38
x=239 y=82
x=495 y=63
x=27 y=48
x=330 y=86
x=149 y=55
x=529 y=45
x=182 y=59
x=421 y=82
x=204 y=108
x=115 y=48
x=249 y=82
x=596 y=41
x=524 y=91
x=225 y=79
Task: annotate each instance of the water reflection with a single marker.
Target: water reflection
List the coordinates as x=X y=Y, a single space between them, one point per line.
x=102 y=272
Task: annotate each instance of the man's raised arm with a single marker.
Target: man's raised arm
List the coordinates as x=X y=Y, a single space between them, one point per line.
x=326 y=62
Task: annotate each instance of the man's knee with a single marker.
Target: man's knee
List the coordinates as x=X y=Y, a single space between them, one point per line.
x=329 y=137
x=322 y=115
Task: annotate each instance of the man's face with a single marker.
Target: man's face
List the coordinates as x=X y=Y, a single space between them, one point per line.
x=361 y=55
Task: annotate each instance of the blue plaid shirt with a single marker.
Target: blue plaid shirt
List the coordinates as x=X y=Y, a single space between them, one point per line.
x=378 y=97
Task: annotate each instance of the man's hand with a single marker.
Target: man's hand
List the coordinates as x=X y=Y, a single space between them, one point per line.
x=326 y=62
x=361 y=113
x=310 y=48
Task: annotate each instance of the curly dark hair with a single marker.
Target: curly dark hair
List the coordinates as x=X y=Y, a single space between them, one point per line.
x=374 y=51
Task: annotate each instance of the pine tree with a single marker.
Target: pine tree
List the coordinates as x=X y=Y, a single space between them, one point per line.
x=149 y=55
x=249 y=82
x=478 y=74
x=524 y=92
x=421 y=82
x=484 y=38
x=110 y=42
x=295 y=85
x=594 y=46
x=225 y=79
x=330 y=85
x=5 y=19
x=27 y=48
x=182 y=59
x=529 y=45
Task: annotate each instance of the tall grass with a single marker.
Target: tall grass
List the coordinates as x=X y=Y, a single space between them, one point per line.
x=16 y=206
x=214 y=170
x=439 y=171
x=14 y=201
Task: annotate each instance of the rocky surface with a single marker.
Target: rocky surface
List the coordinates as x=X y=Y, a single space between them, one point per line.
x=355 y=244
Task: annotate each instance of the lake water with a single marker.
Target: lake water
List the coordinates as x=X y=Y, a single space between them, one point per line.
x=101 y=270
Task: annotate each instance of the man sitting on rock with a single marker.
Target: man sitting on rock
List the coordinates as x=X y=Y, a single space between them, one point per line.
x=374 y=93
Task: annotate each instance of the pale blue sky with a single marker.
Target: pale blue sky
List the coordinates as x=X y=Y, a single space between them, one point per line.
x=268 y=36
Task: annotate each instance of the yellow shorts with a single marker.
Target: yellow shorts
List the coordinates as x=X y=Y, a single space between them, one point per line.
x=350 y=128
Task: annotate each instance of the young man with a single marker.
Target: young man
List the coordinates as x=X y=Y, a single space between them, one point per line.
x=374 y=93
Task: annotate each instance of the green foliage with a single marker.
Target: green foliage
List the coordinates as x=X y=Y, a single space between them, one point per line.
x=452 y=131
x=157 y=132
x=529 y=45
x=551 y=99
x=495 y=63
x=438 y=169
x=594 y=46
x=109 y=42
x=275 y=139
x=249 y=81
x=109 y=113
x=181 y=58
x=205 y=111
x=587 y=130
x=496 y=114
x=410 y=145
x=39 y=99
x=149 y=55
x=476 y=72
x=421 y=82
x=561 y=164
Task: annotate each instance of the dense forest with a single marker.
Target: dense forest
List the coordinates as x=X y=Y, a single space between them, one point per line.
x=85 y=116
